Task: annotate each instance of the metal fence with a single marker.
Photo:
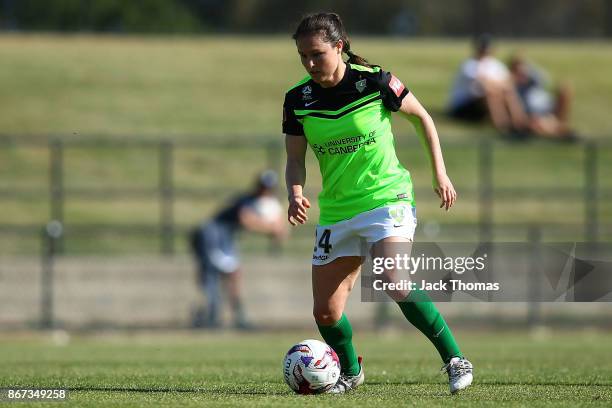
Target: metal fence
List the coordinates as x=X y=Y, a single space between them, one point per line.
x=168 y=188
x=51 y=295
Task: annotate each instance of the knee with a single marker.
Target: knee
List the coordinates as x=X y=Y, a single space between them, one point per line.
x=326 y=316
x=564 y=91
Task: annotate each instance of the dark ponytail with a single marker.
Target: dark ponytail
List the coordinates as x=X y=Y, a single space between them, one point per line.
x=330 y=26
x=356 y=59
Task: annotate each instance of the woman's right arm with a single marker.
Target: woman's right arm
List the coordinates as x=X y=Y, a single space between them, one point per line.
x=295 y=177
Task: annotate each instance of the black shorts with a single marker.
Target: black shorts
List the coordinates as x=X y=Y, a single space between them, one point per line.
x=474 y=110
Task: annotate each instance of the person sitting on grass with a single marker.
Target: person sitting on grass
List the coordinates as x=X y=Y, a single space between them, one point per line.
x=548 y=114
x=483 y=90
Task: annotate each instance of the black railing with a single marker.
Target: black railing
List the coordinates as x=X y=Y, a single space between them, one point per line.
x=169 y=189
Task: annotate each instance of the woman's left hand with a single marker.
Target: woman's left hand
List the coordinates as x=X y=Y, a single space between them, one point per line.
x=445 y=190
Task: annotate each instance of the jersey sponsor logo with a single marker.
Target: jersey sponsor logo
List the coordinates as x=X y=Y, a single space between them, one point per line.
x=307 y=93
x=360 y=85
x=345 y=145
x=320 y=150
x=396 y=85
x=307 y=104
x=350 y=148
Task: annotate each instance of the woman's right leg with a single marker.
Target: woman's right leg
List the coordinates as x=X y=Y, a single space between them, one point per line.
x=331 y=285
x=234 y=291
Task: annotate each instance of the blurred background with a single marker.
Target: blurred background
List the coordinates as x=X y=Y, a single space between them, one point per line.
x=125 y=124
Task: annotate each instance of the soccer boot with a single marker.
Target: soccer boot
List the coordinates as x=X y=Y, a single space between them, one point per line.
x=459 y=371
x=349 y=382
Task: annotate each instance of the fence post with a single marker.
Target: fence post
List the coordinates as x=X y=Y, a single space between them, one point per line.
x=166 y=197
x=273 y=154
x=56 y=186
x=590 y=193
x=534 y=313
x=50 y=237
x=273 y=162
x=485 y=177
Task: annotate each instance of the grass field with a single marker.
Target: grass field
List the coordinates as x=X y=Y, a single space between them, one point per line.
x=225 y=369
x=188 y=87
x=230 y=89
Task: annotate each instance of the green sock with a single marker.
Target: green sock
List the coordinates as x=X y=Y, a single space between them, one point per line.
x=340 y=337
x=423 y=314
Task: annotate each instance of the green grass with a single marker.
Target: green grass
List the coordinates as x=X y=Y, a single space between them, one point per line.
x=542 y=172
x=230 y=89
x=192 y=86
x=511 y=369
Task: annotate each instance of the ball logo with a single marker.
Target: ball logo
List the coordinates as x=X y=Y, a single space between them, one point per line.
x=287 y=368
x=396 y=85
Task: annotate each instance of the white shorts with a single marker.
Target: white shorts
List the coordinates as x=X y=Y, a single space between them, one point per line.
x=352 y=237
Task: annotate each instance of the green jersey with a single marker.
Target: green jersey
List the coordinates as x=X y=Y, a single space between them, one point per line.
x=348 y=127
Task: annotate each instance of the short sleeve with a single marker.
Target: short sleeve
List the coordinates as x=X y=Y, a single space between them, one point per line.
x=291 y=126
x=392 y=90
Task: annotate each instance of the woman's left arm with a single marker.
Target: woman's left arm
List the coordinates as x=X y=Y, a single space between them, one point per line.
x=423 y=123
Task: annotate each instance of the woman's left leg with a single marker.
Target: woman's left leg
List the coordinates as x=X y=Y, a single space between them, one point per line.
x=417 y=307
x=419 y=310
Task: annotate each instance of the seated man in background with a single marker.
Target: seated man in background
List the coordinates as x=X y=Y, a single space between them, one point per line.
x=548 y=114
x=483 y=89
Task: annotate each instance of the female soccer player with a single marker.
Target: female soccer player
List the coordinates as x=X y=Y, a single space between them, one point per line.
x=343 y=111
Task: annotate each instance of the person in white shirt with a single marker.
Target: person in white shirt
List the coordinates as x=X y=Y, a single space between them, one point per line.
x=483 y=89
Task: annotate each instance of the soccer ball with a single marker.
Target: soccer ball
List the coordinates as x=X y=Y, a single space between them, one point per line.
x=311 y=367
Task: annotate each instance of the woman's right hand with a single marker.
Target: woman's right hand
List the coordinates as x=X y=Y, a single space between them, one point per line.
x=296 y=214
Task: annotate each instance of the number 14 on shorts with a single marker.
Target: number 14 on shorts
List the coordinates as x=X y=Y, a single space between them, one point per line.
x=323 y=242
